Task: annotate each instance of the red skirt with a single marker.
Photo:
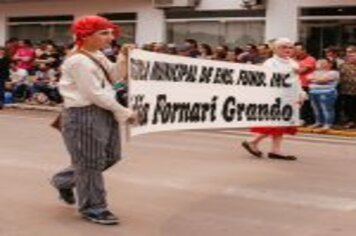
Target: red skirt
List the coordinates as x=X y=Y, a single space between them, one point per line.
x=275 y=131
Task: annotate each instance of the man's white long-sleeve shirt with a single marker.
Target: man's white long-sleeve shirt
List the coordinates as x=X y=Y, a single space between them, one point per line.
x=83 y=83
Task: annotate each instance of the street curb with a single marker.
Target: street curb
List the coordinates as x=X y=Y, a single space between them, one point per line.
x=333 y=132
x=303 y=137
x=33 y=107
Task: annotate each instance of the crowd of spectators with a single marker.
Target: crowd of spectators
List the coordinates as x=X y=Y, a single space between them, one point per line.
x=33 y=72
x=330 y=81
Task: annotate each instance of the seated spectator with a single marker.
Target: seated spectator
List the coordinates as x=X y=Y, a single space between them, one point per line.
x=19 y=83
x=12 y=46
x=322 y=90
x=25 y=55
x=49 y=56
x=45 y=82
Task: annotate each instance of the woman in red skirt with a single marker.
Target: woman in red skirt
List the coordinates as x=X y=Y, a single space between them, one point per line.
x=281 y=61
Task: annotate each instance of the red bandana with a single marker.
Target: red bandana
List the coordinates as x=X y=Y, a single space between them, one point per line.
x=88 y=25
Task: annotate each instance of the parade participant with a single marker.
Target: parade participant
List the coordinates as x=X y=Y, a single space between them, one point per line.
x=282 y=62
x=90 y=120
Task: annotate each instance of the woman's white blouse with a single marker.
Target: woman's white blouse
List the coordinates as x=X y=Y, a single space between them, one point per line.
x=286 y=66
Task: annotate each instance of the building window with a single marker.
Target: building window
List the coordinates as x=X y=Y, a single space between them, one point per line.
x=127 y=23
x=317 y=35
x=229 y=27
x=327 y=26
x=242 y=33
x=205 y=32
x=128 y=31
x=231 y=33
x=39 y=28
x=57 y=28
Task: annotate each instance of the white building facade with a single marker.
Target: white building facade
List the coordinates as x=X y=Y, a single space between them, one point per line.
x=318 y=23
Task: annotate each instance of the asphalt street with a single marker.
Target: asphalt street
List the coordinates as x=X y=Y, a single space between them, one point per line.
x=191 y=183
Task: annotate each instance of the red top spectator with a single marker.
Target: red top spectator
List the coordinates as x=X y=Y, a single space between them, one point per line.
x=306 y=63
x=25 y=55
x=12 y=46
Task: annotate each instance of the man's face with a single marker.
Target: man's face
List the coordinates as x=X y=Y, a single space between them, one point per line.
x=100 y=39
x=330 y=54
x=21 y=43
x=351 y=56
x=299 y=52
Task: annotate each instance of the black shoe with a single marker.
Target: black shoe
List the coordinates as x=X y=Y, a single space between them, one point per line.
x=248 y=148
x=104 y=217
x=67 y=195
x=281 y=157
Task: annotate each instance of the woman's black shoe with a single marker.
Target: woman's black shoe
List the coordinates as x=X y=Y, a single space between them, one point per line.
x=281 y=157
x=248 y=148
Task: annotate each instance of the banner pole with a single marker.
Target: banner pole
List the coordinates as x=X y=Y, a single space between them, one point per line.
x=127 y=126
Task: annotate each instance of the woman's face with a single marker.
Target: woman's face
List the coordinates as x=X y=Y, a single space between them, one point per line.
x=100 y=39
x=284 y=50
x=49 y=48
x=323 y=65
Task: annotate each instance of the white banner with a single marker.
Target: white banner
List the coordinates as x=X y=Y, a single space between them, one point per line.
x=175 y=93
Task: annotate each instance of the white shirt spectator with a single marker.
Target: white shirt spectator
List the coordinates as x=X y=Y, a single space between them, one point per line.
x=19 y=76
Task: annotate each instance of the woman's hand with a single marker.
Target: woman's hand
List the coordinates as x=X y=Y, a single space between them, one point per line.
x=133 y=119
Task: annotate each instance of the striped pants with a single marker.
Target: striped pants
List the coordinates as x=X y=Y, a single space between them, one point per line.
x=92 y=137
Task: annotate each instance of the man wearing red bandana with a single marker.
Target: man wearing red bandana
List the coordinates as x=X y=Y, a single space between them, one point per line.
x=90 y=119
